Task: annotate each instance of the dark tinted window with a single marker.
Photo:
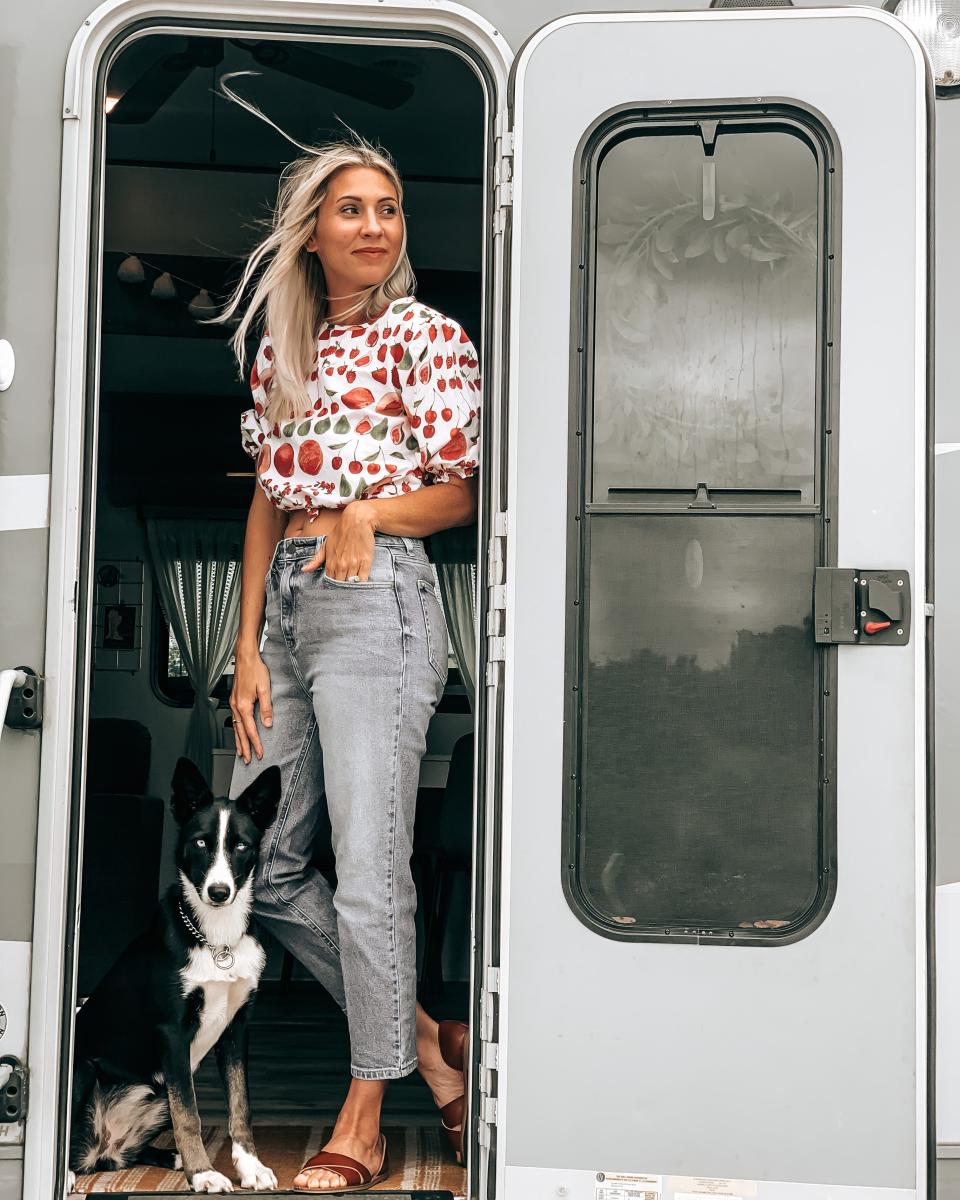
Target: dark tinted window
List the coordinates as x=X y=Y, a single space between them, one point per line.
x=705 y=357
x=698 y=734
x=699 y=760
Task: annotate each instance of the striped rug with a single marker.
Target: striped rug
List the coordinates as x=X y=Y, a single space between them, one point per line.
x=419 y=1156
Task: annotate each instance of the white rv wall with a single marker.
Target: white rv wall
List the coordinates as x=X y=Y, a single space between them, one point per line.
x=946 y=631
x=947 y=560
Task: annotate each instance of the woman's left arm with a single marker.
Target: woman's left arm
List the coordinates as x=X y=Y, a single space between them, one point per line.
x=349 y=549
x=419 y=513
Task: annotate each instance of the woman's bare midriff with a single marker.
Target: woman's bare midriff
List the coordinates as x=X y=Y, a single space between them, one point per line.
x=300 y=525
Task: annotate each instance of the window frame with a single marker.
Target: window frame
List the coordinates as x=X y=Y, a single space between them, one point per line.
x=609 y=128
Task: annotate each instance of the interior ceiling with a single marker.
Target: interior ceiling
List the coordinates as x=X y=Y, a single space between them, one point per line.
x=190 y=174
x=193 y=126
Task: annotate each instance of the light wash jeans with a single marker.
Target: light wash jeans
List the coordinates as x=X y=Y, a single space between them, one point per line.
x=356 y=672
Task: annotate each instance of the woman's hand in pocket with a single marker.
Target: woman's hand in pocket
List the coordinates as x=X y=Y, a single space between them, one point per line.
x=251 y=686
x=348 y=550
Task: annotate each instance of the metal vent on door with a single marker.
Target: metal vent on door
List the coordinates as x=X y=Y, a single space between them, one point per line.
x=751 y=3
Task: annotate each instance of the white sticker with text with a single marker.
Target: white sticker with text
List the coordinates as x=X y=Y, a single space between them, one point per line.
x=628 y=1187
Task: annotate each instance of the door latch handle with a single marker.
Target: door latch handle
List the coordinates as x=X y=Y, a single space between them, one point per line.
x=884 y=599
x=868 y=605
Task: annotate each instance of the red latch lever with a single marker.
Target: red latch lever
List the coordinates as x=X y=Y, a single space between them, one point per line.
x=875 y=626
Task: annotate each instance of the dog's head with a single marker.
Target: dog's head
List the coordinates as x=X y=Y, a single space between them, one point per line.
x=220 y=838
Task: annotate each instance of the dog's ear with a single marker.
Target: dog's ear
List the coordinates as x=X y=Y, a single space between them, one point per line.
x=190 y=791
x=261 y=798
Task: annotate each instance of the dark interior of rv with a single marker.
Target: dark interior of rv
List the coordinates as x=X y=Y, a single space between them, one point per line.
x=188 y=180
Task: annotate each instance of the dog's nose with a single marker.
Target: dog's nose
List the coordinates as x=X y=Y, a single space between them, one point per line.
x=218 y=893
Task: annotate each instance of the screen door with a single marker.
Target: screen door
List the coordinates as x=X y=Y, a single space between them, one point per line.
x=712 y=965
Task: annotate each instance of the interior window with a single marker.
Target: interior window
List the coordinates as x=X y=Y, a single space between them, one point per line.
x=697 y=805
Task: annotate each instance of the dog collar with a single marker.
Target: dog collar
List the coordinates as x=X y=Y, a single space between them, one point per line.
x=222 y=955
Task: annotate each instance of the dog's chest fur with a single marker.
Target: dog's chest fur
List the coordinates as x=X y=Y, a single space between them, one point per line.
x=224 y=991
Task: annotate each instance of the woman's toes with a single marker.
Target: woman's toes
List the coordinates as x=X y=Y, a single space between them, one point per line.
x=318 y=1181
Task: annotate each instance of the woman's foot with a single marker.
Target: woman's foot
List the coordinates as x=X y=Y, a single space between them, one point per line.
x=445 y=1082
x=326 y=1179
x=440 y=1050
x=356 y=1135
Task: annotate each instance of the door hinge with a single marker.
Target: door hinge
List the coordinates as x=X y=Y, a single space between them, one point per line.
x=496 y=598
x=491 y=988
x=489 y=1055
x=488 y=1119
x=13 y=1091
x=503 y=177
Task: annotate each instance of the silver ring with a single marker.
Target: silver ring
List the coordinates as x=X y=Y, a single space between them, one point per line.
x=353 y=578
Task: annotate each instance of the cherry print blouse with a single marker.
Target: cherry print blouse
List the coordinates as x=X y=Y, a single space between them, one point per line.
x=395 y=405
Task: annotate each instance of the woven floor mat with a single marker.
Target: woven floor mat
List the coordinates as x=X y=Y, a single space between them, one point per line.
x=420 y=1159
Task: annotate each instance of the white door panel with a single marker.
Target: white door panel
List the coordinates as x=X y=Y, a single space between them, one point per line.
x=801 y=1062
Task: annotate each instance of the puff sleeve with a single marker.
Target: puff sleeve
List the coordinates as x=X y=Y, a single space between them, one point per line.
x=253 y=425
x=442 y=399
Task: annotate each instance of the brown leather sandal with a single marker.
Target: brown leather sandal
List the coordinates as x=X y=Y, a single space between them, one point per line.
x=345 y=1167
x=454 y=1047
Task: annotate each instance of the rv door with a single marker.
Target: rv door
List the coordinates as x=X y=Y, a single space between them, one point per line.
x=711 y=971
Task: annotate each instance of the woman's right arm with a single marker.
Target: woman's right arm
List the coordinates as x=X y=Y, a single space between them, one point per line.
x=251 y=680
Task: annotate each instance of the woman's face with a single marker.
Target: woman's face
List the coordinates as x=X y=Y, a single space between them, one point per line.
x=358 y=232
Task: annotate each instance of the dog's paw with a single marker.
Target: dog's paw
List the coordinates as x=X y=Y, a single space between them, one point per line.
x=210 y=1181
x=258 y=1177
x=253 y=1174
x=71 y=1182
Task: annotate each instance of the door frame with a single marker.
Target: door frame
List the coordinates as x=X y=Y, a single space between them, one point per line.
x=103 y=34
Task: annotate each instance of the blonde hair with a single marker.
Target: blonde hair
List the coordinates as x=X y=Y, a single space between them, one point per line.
x=291 y=288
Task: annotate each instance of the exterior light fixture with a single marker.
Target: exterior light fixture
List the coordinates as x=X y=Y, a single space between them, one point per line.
x=937 y=24
x=8 y=364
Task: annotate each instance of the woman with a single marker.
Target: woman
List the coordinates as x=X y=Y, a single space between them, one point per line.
x=362 y=397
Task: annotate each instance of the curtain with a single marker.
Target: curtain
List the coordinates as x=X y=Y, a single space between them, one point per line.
x=454 y=556
x=458 y=591
x=196 y=568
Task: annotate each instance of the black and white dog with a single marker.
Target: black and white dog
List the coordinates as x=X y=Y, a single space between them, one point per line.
x=182 y=988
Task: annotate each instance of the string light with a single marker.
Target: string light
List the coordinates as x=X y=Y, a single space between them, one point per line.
x=130 y=270
x=164 y=287
x=201 y=306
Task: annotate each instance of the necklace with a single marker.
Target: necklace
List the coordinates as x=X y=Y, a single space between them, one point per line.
x=222 y=955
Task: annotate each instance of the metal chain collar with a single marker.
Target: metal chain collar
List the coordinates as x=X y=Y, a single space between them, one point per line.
x=222 y=955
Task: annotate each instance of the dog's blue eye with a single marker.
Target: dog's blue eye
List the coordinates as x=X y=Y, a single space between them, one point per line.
x=201 y=842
